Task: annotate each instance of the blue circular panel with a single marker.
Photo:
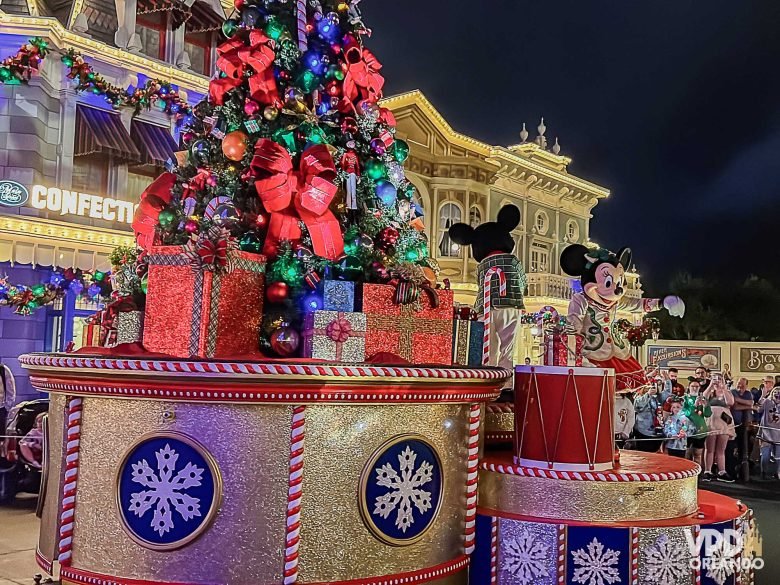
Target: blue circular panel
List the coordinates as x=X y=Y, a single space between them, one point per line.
x=168 y=491
x=401 y=490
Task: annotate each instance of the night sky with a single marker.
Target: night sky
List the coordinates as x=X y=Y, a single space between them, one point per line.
x=674 y=106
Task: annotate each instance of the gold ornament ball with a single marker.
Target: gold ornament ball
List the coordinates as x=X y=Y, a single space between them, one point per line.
x=270 y=113
x=343 y=7
x=234 y=145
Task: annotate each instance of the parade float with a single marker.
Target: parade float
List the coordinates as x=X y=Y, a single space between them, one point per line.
x=282 y=391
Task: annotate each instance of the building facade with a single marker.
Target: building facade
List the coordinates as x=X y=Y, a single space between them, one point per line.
x=83 y=164
x=460 y=179
x=78 y=163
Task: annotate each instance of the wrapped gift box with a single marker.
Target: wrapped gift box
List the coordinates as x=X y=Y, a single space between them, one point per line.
x=92 y=332
x=561 y=349
x=335 y=336
x=467 y=342
x=195 y=312
x=420 y=332
x=339 y=295
x=129 y=327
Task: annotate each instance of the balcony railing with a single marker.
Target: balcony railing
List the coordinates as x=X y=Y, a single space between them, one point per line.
x=559 y=287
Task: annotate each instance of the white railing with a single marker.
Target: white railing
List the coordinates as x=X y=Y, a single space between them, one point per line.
x=555 y=286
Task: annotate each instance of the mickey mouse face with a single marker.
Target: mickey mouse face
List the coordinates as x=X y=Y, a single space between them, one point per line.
x=609 y=286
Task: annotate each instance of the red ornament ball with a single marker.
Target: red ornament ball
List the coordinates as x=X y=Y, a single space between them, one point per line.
x=277 y=292
x=251 y=107
x=234 y=145
x=285 y=341
x=190 y=226
x=387 y=238
x=349 y=125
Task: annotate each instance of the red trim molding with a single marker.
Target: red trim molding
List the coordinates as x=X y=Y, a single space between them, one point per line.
x=42 y=561
x=83 y=577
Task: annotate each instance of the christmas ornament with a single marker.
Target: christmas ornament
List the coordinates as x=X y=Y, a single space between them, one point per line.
x=251 y=107
x=375 y=168
x=277 y=292
x=350 y=268
x=249 y=242
x=251 y=16
x=378 y=146
x=270 y=113
x=234 y=145
x=166 y=218
x=285 y=340
x=200 y=152
x=386 y=192
x=229 y=27
x=349 y=125
x=387 y=238
x=190 y=226
x=400 y=150
x=216 y=203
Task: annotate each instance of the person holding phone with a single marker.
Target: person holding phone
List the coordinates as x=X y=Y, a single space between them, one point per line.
x=720 y=425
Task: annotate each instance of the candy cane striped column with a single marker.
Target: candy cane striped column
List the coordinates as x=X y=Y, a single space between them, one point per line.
x=72 y=442
x=634 y=556
x=472 y=476
x=561 y=558
x=297 y=435
x=486 y=308
x=493 y=550
x=300 y=10
x=697 y=567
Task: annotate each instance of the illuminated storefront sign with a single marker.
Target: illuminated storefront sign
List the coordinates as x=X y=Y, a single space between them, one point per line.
x=66 y=202
x=13 y=194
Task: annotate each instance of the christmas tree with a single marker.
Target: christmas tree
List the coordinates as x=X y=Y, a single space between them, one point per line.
x=291 y=156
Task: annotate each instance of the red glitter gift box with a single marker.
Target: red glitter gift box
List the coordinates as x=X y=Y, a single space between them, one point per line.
x=420 y=332
x=562 y=349
x=195 y=312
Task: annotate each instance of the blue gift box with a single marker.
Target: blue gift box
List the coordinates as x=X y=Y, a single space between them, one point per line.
x=339 y=295
x=467 y=342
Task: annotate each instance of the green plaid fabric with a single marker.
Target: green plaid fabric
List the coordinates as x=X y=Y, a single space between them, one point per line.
x=515 y=282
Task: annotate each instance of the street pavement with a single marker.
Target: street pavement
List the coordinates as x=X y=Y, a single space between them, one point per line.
x=19 y=533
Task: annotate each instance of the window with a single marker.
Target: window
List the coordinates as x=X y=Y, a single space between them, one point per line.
x=573 y=231
x=138 y=180
x=198 y=47
x=90 y=174
x=540 y=257
x=475 y=216
x=541 y=222
x=152 y=28
x=449 y=214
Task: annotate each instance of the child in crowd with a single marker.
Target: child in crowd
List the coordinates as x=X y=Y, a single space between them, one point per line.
x=677 y=429
x=769 y=435
x=624 y=419
x=697 y=410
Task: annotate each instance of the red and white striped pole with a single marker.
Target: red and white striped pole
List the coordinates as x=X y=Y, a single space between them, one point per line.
x=486 y=307
x=293 y=536
x=472 y=476
x=72 y=445
x=300 y=14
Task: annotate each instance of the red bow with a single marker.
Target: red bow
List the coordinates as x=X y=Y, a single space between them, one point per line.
x=339 y=330
x=154 y=198
x=213 y=254
x=362 y=78
x=292 y=195
x=234 y=56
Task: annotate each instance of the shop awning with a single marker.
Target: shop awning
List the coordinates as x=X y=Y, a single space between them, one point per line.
x=155 y=142
x=99 y=131
x=201 y=15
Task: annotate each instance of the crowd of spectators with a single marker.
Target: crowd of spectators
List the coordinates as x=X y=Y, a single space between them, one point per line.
x=722 y=424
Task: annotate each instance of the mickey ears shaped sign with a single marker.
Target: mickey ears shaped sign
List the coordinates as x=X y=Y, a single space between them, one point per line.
x=13 y=194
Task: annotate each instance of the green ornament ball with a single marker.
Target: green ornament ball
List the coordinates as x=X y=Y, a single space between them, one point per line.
x=249 y=242
x=38 y=290
x=229 y=27
x=274 y=29
x=166 y=218
x=308 y=81
x=375 y=169
x=99 y=276
x=400 y=150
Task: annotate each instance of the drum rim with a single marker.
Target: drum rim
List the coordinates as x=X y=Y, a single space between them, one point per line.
x=566 y=370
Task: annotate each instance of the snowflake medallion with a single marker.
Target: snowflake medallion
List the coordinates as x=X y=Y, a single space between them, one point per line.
x=168 y=491
x=402 y=487
x=526 y=557
x=597 y=565
x=721 y=562
x=666 y=562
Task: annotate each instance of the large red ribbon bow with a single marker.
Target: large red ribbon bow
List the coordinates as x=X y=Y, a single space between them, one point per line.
x=362 y=78
x=339 y=330
x=234 y=56
x=154 y=198
x=291 y=195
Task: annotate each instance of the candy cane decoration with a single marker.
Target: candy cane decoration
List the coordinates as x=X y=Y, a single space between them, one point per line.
x=303 y=44
x=634 y=556
x=493 y=550
x=73 y=440
x=561 y=558
x=486 y=308
x=472 y=476
x=297 y=434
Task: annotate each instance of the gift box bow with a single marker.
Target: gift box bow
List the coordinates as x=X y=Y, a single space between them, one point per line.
x=212 y=251
x=339 y=330
x=362 y=76
x=408 y=292
x=234 y=56
x=292 y=195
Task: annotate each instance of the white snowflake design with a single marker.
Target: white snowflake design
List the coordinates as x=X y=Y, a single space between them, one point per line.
x=165 y=490
x=526 y=557
x=405 y=489
x=666 y=563
x=596 y=566
x=721 y=562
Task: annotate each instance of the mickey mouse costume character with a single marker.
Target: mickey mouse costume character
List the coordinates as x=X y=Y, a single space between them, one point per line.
x=593 y=312
x=492 y=245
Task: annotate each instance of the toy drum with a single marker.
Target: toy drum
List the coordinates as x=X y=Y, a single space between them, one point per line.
x=564 y=418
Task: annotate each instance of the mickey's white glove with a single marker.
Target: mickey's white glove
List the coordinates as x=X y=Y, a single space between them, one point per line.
x=675 y=306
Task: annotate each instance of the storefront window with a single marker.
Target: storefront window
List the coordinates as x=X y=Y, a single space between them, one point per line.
x=151 y=28
x=137 y=181
x=90 y=174
x=198 y=47
x=449 y=214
